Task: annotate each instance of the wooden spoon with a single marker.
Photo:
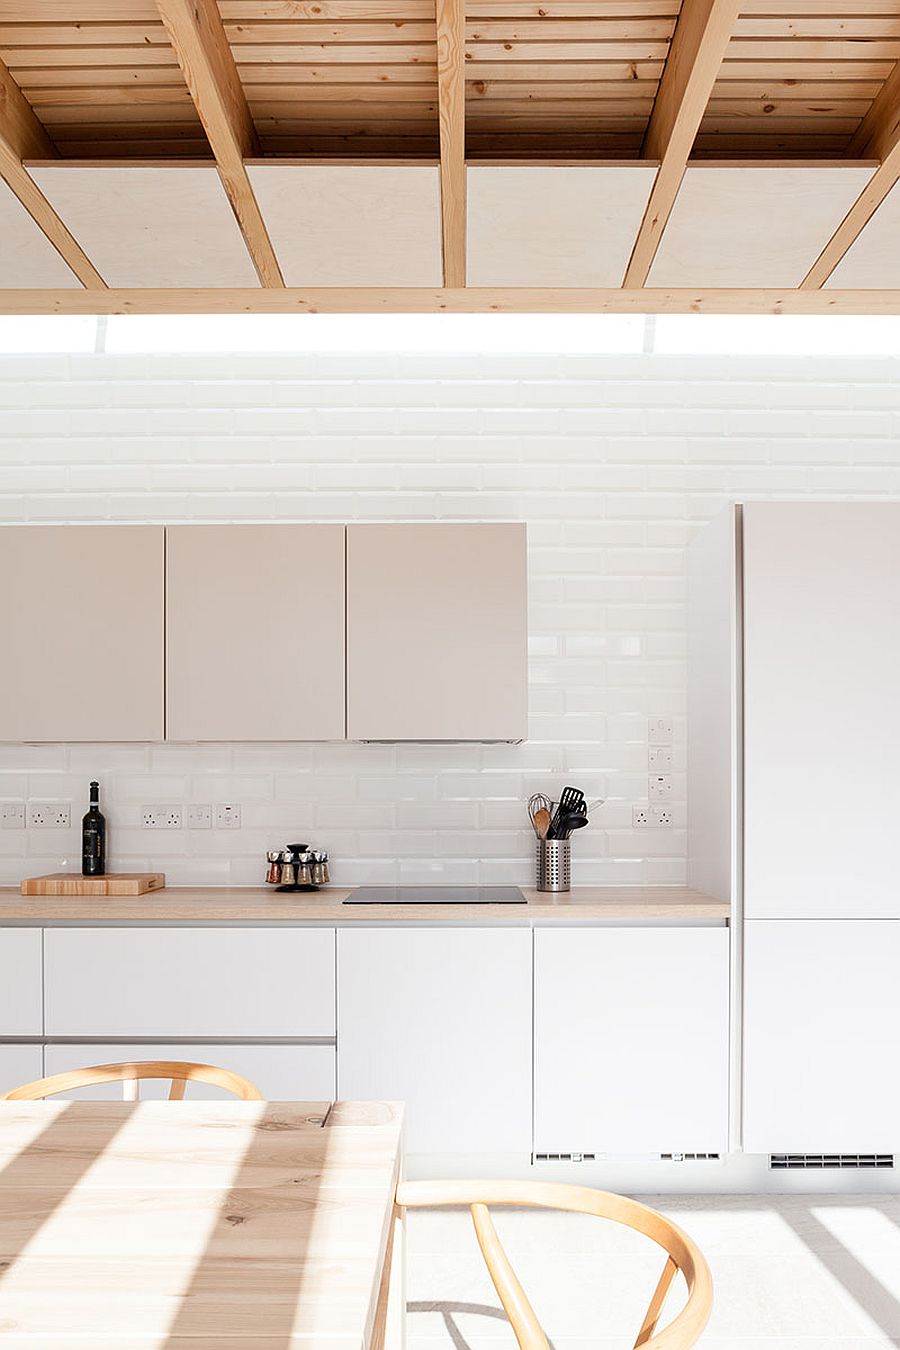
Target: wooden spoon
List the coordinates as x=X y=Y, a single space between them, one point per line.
x=541 y=822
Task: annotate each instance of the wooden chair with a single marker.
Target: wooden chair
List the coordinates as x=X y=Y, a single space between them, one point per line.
x=681 y=1253
x=130 y=1076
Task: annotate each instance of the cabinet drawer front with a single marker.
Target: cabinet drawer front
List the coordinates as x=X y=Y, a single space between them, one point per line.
x=631 y=1040
x=283 y=1073
x=21 y=1013
x=196 y=982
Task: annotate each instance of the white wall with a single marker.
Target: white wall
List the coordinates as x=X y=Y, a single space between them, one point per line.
x=613 y=461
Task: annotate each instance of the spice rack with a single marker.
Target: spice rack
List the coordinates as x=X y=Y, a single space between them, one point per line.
x=297 y=867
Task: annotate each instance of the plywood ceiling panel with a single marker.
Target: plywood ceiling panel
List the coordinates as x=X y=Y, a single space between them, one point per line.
x=352 y=225
x=873 y=260
x=27 y=258
x=749 y=225
x=552 y=225
x=150 y=226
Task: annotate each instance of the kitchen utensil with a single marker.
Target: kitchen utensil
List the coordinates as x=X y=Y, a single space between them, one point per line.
x=571 y=801
x=71 y=883
x=538 y=802
x=541 y=822
x=574 y=820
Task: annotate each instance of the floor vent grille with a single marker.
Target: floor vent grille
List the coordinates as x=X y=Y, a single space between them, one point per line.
x=788 y=1161
x=565 y=1157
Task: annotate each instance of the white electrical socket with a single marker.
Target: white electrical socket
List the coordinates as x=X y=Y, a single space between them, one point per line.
x=228 y=816
x=660 y=758
x=661 y=787
x=161 y=817
x=199 y=816
x=49 y=815
x=654 y=816
x=12 y=815
x=661 y=731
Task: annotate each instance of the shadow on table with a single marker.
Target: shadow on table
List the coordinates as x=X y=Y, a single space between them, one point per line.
x=38 y=1178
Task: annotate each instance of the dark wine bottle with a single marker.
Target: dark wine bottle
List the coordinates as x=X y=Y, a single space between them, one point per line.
x=93 y=838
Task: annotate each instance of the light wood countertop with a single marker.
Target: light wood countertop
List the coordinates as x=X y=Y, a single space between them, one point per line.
x=191 y=1224
x=256 y=904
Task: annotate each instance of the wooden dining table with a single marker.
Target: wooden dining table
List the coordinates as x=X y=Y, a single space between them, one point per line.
x=200 y=1225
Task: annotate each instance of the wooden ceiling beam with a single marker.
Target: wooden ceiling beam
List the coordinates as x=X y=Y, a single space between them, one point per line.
x=878 y=138
x=451 y=54
x=460 y=300
x=698 y=46
x=198 y=38
x=21 y=138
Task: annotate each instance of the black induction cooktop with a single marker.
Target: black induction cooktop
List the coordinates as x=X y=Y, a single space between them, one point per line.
x=437 y=895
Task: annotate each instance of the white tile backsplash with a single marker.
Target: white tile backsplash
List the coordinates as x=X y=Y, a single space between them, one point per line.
x=614 y=462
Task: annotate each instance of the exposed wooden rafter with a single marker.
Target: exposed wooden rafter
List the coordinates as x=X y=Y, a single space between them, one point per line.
x=468 y=300
x=878 y=137
x=198 y=38
x=451 y=54
x=21 y=138
x=701 y=37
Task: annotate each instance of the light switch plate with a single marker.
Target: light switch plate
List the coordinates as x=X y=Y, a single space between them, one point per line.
x=228 y=816
x=12 y=815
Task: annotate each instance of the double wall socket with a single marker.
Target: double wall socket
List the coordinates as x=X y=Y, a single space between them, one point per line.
x=645 y=816
x=161 y=817
x=50 y=815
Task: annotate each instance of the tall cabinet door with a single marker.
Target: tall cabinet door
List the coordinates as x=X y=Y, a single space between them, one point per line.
x=255 y=632
x=821 y=1011
x=81 y=612
x=821 y=662
x=436 y=630
x=440 y=1018
x=630 y=1040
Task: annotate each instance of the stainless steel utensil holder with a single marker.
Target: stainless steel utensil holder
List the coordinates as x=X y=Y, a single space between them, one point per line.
x=553 y=864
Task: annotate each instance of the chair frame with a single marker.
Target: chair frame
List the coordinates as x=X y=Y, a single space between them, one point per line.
x=131 y=1074
x=682 y=1254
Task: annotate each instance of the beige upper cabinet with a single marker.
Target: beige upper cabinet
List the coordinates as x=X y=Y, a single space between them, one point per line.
x=81 y=611
x=255 y=632
x=436 y=632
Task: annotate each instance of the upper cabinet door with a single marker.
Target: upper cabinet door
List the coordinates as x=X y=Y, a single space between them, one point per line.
x=436 y=632
x=821 y=662
x=81 y=614
x=255 y=632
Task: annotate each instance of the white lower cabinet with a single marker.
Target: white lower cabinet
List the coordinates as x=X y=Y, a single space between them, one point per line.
x=441 y=1019
x=21 y=1011
x=821 y=1018
x=283 y=1073
x=19 y=1064
x=189 y=982
x=630 y=1040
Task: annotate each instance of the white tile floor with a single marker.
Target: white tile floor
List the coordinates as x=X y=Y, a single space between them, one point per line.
x=790 y=1273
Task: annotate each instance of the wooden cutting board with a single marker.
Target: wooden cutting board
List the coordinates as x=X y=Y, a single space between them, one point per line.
x=115 y=883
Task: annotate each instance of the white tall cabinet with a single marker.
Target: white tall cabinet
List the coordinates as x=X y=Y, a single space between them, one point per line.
x=794 y=656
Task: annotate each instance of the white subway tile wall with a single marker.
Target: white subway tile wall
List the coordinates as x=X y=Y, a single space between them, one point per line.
x=614 y=462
